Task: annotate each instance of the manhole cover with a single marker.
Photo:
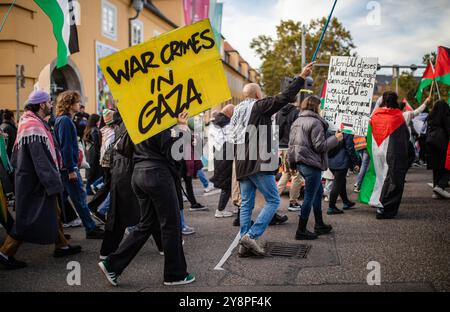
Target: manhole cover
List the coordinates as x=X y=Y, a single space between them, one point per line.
x=287 y=250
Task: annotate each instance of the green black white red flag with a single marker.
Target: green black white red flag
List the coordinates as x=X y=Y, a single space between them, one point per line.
x=62 y=16
x=427 y=80
x=387 y=138
x=442 y=67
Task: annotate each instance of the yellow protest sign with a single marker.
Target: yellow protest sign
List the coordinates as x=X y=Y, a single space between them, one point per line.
x=155 y=81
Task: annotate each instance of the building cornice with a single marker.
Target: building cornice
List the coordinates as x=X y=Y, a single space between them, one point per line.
x=152 y=8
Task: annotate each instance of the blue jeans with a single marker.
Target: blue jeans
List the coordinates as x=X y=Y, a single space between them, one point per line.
x=265 y=183
x=201 y=175
x=79 y=199
x=313 y=190
x=104 y=207
x=364 y=166
x=96 y=183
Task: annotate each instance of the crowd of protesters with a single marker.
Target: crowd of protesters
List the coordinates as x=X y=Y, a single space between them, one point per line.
x=137 y=191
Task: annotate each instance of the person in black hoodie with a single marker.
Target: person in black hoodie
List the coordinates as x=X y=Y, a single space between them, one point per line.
x=284 y=120
x=438 y=136
x=157 y=185
x=222 y=165
x=92 y=139
x=340 y=159
x=124 y=204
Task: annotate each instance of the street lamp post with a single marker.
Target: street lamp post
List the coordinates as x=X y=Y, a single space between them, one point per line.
x=138 y=5
x=303 y=46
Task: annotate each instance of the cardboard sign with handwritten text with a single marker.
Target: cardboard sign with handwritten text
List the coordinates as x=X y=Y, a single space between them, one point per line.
x=350 y=86
x=155 y=81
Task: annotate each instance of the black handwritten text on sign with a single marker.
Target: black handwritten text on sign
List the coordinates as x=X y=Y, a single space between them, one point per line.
x=157 y=80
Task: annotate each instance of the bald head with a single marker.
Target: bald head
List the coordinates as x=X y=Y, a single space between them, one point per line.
x=252 y=91
x=228 y=110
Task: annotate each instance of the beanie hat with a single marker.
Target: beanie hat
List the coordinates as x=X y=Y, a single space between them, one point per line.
x=108 y=116
x=38 y=97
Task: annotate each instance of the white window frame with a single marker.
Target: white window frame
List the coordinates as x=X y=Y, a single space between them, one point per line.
x=107 y=5
x=134 y=24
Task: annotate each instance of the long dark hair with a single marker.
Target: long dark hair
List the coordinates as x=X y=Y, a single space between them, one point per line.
x=438 y=113
x=91 y=123
x=390 y=100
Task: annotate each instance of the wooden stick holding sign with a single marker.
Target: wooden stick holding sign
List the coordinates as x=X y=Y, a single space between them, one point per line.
x=323 y=32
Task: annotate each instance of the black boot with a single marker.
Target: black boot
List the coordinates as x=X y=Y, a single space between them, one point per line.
x=321 y=228
x=302 y=232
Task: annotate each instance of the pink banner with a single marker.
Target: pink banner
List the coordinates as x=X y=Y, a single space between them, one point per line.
x=195 y=10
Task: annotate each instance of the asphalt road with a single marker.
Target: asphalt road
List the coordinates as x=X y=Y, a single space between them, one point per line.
x=412 y=250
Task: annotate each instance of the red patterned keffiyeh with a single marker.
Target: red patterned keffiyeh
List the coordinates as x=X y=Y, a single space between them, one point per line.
x=32 y=129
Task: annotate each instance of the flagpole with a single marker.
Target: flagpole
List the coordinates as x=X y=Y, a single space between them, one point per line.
x=323 y=32
x=437 y=86
x=7 y=14
x=431 y=91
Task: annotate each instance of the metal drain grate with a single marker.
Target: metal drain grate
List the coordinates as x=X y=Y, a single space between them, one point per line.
x=287 y=250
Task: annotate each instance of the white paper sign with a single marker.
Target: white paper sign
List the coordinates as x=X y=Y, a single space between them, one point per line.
x=351 y=81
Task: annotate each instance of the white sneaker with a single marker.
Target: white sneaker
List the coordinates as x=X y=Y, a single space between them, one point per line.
x=223 y=214
x=185 y=200
x=441 y=192
x=436 y=196
x=326 y=198
x=209 y=188
x=430 y=185
x=75 y=223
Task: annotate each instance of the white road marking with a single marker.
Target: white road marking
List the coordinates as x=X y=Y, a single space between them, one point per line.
x=228 y=253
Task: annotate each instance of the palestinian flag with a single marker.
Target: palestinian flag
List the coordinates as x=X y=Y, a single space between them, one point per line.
x=62 y=16
x=323 y=94
x=427 y=80
x=383 y=184
x=442 y=67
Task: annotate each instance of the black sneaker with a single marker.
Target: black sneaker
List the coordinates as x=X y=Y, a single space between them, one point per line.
x=278 y=219
x=322 y=229
x=334 y=211
x=190 y=278
x=349 y=205
x=11 y=263
x=384 y=217
x=109 y=274
x=237 y=221
x=198 y=207
x=306 y=235
x=97 y=233
x=72 y=250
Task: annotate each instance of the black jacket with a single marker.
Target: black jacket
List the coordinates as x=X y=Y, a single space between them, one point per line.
x=261 y=115
x=438 y=136
x=222 y=168
x=93 y=145
x=156 y=152
x=284 y=120
x=10 y=129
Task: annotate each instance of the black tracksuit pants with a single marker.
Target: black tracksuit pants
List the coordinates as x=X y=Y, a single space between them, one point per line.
x=155 y=189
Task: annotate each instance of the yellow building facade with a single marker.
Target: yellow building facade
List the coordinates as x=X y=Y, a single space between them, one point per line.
x=103 y=28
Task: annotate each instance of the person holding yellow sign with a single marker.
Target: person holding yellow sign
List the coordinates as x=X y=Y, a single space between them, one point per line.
x=158 y=188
